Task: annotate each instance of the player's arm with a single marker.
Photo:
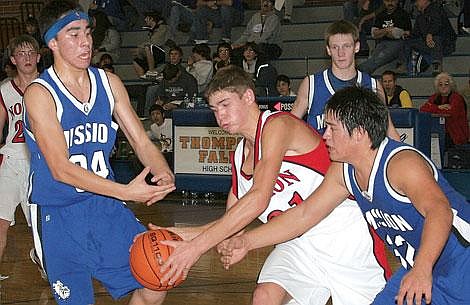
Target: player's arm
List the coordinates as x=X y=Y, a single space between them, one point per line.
x=293 y=222
x=299 y=109
x=404 y=171
x=3 y=119
x=146 y=151
x=391 y=131
x=50 y=139
x=277 y=135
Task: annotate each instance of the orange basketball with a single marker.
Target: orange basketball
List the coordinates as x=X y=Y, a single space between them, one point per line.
x=144 y=258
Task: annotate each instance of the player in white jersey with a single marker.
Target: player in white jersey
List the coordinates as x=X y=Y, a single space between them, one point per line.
x=342 y=44
x=14 y=155
x=279 y=162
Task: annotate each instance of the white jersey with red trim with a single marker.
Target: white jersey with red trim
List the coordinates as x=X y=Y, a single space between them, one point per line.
x=299 y=175
x=11 y=99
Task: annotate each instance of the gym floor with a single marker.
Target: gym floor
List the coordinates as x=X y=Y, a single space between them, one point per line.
x=207 y=283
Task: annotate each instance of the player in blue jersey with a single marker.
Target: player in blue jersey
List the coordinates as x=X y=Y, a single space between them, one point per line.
x=342 y=44
x=82 y=228
x=422 y=219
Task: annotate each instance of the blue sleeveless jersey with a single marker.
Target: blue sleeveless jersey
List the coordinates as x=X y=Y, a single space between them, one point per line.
x=320 y=91
x=89 y=132
x=394 y=217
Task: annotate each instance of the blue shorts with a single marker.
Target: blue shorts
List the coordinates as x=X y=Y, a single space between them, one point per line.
x=87 y=240
x=451 y=283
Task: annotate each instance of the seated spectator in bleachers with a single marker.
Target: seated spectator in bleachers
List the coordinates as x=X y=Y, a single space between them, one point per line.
x=175 y=57
x=121 y=13
x=395 y=95
x=288 y=7
x=106 y=39
x=220 y=13
x=160 y=131
x=9 y=70
x=222 y=58
x=283 y=86
x=391 y=27
x=362 y=14
x=263 y=73
x=150 y=53
x=200 y=66
x=174 y=87
x=105 y=59
x=32 y=29
x=264 y=29
x=162 y=7
x=448 y=103
x=432 y=37
x=181 y=12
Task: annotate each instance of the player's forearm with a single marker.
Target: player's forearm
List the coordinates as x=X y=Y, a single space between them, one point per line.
x=150 y=156
x=437 y=226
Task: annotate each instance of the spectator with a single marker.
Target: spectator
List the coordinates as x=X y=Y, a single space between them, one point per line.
x=447 y=102
x=263 y=73
x=32 y=29
x=391 y=27
x=362 y=13
x=175 y=56
x=149 y=54
x=264 y=29
x=220 y=13
x=283 y=86
x=432 y=37
x=181 y=12
x=200 y=66
x=161 y=129
x=223 y=56
x=174 y=87
x=9 y=69
x=288 y=6
x=395 y=95
x=105 y=59
x=106 y=40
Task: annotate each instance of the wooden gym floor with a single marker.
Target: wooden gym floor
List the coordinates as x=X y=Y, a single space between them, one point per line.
x=207 y=283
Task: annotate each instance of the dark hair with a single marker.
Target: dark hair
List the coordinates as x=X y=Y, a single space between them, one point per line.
x=358 y=107
x=53 y=11
x=225 y=45
x=390 y=72
x=283 y=78
x=170 y=71
x=177 y=49
x=251 y=45
x=109 y=67
x=156 y=107
x=232 y=79
x=156 y=16
x=106 y=56
x=31 y=21
x=203 y=50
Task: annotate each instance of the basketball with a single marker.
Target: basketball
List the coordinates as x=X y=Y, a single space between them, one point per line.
x=144 y=257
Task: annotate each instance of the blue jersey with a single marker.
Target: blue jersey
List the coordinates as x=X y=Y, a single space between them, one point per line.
x=322 y=86
x=395 y=218
x=89 y=132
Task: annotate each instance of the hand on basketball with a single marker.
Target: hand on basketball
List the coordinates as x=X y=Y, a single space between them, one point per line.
x=138 y=189
x=178 y=264
x=232 y=250
x=415 y=285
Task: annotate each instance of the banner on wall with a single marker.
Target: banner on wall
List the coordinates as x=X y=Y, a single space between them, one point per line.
x=203 y=150
x=406 y=135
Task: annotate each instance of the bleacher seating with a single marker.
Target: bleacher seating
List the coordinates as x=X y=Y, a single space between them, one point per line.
x=9 y=28
x=303 y=50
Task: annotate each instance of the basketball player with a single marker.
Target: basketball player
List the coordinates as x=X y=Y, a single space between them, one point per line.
x=342 y=43
x=423 y=220
x=280 y=161
x=82 y=229
x=14 y=155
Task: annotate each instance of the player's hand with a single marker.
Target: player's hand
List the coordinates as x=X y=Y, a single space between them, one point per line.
x=430 y=41
x=178 y=264
x=164 y=177
x=415 y=285
x=138 y=189
x=232 y=250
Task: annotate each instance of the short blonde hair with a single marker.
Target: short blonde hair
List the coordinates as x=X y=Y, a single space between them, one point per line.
x=437 y=79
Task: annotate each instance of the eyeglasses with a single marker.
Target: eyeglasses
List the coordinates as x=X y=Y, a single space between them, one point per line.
x=444 y=84
x=26 y=53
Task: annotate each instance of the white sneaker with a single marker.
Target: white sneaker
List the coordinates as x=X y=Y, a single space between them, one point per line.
x=3 y=277
x=35 y=259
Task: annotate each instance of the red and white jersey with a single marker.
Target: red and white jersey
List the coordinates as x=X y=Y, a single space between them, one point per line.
x=299 y=175
x=11 y=99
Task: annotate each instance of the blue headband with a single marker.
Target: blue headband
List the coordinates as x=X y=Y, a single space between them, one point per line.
x=62 y=22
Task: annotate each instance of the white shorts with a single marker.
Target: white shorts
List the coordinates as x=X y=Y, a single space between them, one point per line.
x=337 y=262
x=14 y=188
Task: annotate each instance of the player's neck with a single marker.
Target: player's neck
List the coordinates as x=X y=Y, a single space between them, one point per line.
x=344 y=74
x=363 y=166
x=69 y=74
x=22 y=80
x=249 y=130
